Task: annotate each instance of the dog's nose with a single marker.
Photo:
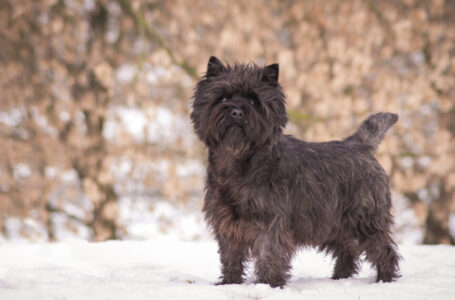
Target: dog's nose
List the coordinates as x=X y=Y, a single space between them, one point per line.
x=236 y=113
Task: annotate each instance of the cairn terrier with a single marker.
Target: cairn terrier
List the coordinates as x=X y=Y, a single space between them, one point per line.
x=267 y=193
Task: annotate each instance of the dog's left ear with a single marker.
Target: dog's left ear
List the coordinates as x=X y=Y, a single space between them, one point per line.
x=214 y=67
x=271 y=73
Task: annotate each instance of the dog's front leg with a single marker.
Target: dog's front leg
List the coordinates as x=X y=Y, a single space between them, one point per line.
x=233 y=254
x=273 y=251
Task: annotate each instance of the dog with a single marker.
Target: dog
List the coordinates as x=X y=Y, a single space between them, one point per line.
x=267 y=193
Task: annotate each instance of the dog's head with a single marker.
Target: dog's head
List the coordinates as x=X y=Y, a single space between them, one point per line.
x=239 y=107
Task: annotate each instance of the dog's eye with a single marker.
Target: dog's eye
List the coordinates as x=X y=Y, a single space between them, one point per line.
x=253 y=98
x=254 y=102
x=221 y=99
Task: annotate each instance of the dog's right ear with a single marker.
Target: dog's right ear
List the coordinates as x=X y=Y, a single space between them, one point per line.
x=214 y=67
x=271 y=73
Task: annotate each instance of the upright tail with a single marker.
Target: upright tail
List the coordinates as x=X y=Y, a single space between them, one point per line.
x=372 y=131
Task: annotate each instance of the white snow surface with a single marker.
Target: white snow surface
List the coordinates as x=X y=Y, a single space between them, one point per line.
x=171 y=269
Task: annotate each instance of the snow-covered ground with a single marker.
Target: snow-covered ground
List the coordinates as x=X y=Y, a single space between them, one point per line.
x=172 y=269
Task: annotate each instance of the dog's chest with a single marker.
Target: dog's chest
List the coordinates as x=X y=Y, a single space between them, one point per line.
x=247 y=196
x=246 y=186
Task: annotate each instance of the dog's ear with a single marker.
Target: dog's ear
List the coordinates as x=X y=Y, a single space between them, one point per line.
x=271 y=73
x=214 y=67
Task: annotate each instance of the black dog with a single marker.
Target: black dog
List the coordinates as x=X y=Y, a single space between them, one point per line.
x=269 y=193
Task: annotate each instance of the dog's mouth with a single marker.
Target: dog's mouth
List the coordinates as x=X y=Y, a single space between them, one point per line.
x=235 y=125
x=233 y=138
x=233 y=129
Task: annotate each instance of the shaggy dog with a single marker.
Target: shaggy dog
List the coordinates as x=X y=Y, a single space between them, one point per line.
x=268 y=193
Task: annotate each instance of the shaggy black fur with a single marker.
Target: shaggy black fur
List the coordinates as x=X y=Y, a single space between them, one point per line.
x=269 y=193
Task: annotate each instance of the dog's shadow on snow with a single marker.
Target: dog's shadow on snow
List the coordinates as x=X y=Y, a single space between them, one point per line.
x=305 y=283
x=309 y=283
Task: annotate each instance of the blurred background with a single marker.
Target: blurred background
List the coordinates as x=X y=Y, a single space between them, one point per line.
x=95 y=137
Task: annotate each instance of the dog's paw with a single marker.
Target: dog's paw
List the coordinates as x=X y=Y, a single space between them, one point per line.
x=225 y=281
x=274 y=284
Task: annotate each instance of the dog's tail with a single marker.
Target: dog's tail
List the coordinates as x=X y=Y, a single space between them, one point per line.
x=372 y=131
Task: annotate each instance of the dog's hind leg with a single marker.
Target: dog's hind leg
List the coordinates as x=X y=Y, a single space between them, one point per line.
x=379 y=246
x=381 y=252
x=347 y=255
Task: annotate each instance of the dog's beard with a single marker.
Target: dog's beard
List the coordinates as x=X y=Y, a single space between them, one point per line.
x=229 y=136
x=234 y=139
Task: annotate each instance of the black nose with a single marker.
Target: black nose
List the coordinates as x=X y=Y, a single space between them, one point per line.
x=236 y=113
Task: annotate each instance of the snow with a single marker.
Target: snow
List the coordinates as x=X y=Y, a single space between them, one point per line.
x=165 y=219
x=13 y=117
x=21 y=170
x=154 y=125
x=171 y=269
